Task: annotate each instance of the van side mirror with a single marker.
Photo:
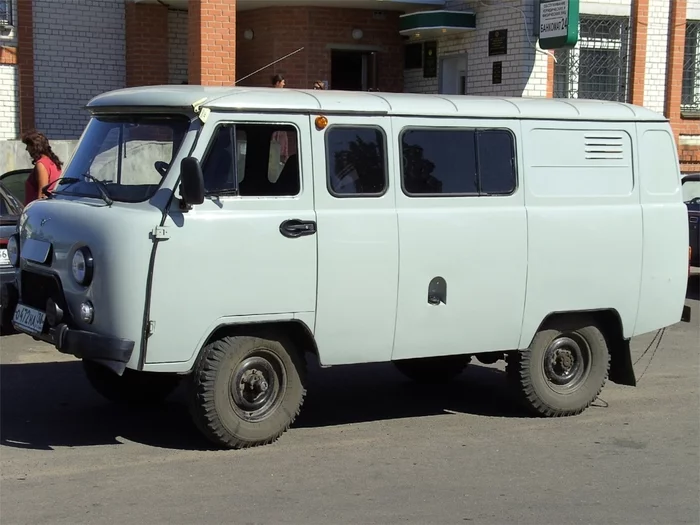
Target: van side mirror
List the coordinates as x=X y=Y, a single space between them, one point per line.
x=191 y=181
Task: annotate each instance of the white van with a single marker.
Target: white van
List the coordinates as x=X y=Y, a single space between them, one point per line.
x=219 y=235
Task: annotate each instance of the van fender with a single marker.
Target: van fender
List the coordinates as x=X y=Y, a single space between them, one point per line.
x=294 y=325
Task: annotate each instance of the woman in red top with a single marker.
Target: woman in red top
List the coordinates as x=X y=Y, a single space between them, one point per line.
x=47 y=165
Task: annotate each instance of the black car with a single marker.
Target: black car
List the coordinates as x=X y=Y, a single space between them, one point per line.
x=11 y=204
x=691 y=197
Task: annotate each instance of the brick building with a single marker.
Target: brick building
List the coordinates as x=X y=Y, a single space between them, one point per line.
x=57 y=54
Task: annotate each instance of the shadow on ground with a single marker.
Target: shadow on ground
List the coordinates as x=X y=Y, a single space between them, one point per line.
x=51 y=404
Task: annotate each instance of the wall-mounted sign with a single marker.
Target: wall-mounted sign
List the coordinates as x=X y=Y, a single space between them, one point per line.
x=558 y=23
x=497 y=73
x=498 y=42
x=430 y=61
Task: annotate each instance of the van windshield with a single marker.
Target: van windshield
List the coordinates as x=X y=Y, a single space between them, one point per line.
x=123 y=158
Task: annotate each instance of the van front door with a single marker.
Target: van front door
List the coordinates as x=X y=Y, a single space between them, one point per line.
x=463 y=238
x=238 y=258
x=357 y=240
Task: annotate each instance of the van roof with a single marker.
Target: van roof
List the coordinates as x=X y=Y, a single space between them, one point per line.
x=361 y=102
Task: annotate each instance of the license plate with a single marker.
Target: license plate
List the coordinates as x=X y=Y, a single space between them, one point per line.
x=4 y=258
x=29 y=319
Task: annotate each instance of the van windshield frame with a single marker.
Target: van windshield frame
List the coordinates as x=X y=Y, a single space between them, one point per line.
x=123 y=158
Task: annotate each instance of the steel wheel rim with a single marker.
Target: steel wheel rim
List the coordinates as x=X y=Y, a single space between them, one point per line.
x=256 y=386
x=567 y=363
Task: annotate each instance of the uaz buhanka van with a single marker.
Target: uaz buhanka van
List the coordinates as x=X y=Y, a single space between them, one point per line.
x=220 y=235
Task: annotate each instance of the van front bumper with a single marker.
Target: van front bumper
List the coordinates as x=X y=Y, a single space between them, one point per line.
x=90 y=345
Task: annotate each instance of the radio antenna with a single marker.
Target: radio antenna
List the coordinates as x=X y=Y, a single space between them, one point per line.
x=270 y=64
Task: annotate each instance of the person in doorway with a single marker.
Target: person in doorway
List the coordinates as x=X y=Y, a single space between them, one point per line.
x=47 y=165
x=319 y=84
x=278 y=81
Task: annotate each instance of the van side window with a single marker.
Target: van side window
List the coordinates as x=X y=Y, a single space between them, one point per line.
x=265 y=164
x=467 y=162
x=496 y=158
x=439 y=161
x=356 y=161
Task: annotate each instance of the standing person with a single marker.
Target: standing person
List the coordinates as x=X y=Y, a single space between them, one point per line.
x=47 y=165
x=278 y=81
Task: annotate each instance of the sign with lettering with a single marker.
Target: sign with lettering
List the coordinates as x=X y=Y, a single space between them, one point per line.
x=558 y=23
x=497 y=73
x=498 y=42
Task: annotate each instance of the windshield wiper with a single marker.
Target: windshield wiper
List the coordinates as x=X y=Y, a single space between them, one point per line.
x=102 y=188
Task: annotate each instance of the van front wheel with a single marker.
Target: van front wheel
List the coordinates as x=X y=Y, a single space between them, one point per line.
x=563 y=371
x=247 y=391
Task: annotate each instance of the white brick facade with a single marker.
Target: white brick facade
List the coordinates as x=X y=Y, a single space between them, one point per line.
x=9 y=103
x=177 y=46
x=79 y=49
x=524 y=69
x=657 y=55
x=9 y=87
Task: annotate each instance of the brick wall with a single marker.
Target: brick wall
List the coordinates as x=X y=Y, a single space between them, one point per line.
x=656 y=55
x=146 y=27
x=9 y=83
x=211 y=50
x=279 y=31
x=524 y=68
x=78 y=53
x=177 y=46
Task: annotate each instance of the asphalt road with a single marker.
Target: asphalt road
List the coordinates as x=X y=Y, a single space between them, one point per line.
x=369 y=448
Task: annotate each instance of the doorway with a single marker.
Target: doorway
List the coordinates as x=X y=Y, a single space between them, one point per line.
x=453 y=80
x=353 y=70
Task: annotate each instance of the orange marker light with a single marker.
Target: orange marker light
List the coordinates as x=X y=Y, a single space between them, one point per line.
x=321 y=122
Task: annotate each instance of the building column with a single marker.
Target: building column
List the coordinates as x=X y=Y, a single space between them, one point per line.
x=25 y=64
x=146 y=44
x=689 y=155
x=211 y=43
x=638 y=50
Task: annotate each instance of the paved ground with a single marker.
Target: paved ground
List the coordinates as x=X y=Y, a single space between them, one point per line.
x=369 y=448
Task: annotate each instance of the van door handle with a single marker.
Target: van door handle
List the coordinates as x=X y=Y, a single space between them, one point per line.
x=294 y=228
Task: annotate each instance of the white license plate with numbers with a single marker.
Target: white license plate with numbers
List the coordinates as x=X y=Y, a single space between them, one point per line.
x=4 y=258
x=29 y=319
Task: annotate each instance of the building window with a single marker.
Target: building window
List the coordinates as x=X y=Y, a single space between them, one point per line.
x=598 y=67
x=356 y=161
x=454 y=162
x=6 y=13
x=690 y=96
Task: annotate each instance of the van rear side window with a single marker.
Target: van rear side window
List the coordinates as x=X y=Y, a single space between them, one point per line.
x=356 y=161
x=458 y=162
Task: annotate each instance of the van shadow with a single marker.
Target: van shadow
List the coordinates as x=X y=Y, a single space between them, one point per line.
x=49 y=405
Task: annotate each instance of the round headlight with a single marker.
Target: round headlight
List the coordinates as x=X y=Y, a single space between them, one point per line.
x=82 y=266
x=13 y=250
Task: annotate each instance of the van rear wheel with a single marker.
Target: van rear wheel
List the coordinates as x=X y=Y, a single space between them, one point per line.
x=563 y=371
x=247 y=391
x=433 y=370
x=132 y=387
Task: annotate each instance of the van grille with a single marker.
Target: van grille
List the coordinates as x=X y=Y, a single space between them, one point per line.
x=604 y=147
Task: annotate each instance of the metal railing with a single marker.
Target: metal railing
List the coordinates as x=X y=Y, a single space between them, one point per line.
x=690 y=94
x=598 y=68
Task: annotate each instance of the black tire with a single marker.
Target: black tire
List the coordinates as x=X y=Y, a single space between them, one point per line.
x=247 y=391
x=132 y=387
x=433 y=370
x=563 y=371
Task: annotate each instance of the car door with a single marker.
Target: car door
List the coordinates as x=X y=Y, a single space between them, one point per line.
x=463 y=238
x=357 y=240
x=238 y=258
x=14 y=182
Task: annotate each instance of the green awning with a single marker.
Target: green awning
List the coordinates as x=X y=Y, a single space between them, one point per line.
x=436 y=23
